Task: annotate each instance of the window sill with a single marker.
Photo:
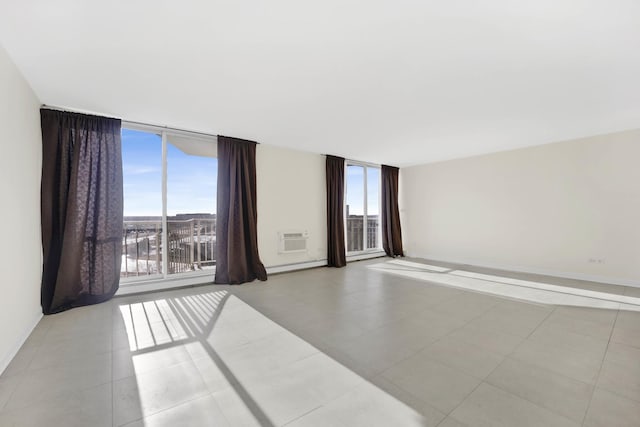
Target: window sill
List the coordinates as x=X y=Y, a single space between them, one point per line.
x=128 y=287
x=357 y=256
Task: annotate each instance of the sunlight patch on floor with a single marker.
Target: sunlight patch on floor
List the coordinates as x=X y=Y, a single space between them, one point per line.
x=536 y=292
x=255 y=371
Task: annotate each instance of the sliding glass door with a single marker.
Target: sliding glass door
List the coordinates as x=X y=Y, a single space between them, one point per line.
x=143 y=226
x=169 y=203
x=362 y=210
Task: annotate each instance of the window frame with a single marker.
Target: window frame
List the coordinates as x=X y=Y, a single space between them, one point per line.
x=365 y=250
x=165 y=133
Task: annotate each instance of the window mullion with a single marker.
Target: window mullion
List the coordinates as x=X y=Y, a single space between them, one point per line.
x=365 y=225
x=344 y=208
x=165 y=233
x=379 y=242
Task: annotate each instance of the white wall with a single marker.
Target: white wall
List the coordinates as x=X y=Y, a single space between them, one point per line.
x=21 y=250
x=291 y=196
x=548 y=209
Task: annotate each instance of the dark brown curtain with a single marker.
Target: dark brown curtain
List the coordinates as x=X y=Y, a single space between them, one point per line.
x=391 y=232
x=81 y=208
x=237 y=215
x=336 y=256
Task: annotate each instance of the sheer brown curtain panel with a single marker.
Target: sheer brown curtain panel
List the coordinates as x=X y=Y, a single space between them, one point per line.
x=237 y=215
x=336 y=256
x=391 y=231
x=81 y=208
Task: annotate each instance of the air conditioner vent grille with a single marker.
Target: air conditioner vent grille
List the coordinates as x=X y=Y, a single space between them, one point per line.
x=293 y=235
x=292 y=241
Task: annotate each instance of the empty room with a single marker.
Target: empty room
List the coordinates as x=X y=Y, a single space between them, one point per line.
x=287 y=213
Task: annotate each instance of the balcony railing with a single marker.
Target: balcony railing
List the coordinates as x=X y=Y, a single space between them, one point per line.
x=354 y=233
x=191 y=246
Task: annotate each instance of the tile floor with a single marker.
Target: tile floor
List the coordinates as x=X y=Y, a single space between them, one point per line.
x=358 y=346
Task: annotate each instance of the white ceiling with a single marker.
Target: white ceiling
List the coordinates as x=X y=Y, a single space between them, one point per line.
x=397 y=82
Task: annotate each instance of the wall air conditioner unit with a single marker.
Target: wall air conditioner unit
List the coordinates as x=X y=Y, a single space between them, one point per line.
x=292 y=241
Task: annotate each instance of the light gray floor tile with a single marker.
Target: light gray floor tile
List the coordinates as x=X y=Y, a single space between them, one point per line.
x=593 y=328
x=608 y=409
x=40 y=331
x=512 y=318
x=200 y=412
x=127 y=363
x=437 y=323
x=45 y=384
x=375 y=316
x=120 y=340
x=21 y=361
x=599 y=315
x=437 y=294
x=367 y=406
x=93 y=319
x=309 y=346
x=332 y=331
x=492 y=340
x=560 y=394
x=436 y=384
x=428 y=412
x=407 y=333
x=414 y=332
x=89 y=407
x=624 y=355
x=221 y=338
x=491 y=406
x=291 y=391
x=374 y=353
x=262 y=356
x=146 y=394
x=216 y=374
x=240 y=409
x=621 y=371
x=451 y=422
x=354 y=365
x=523 y=308
x=257 y=327
x=466 y=306
x=400 y=338
x=624 y=335
x=465 y=357
x=557 y=337
x=67 y=350
x=582 y=366
x=7 y=387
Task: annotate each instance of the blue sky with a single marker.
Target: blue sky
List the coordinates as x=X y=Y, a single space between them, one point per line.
x=355 y=190
x=191 y=180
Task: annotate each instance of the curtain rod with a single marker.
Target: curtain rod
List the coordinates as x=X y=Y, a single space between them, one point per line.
x=355 y=162
x=130 y=122
x=75 y=110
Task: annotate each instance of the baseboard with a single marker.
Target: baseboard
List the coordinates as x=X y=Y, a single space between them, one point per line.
x=543 y=272
x=7 y=358
x=370 y=255
x=129 y=288
x=319 y=263
x=274 y=269
x=171 y=283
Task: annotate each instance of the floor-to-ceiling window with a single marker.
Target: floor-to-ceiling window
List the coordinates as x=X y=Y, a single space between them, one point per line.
x=362 y=208
x=169 y=196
